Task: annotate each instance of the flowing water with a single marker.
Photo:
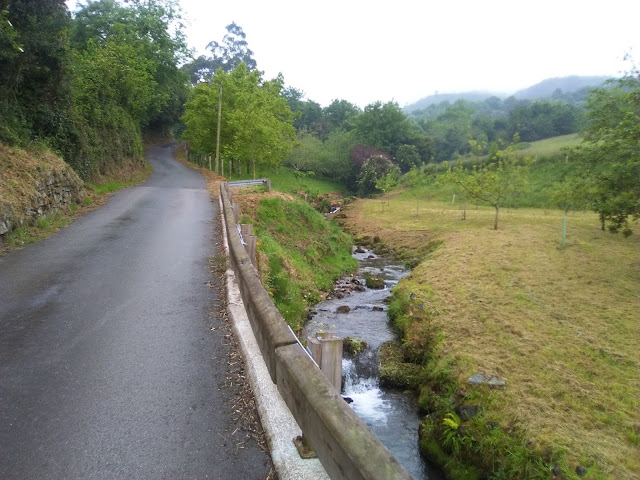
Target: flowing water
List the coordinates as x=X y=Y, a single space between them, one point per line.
x=390 y=414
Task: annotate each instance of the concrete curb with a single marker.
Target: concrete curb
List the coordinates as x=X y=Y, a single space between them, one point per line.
x=278 y=422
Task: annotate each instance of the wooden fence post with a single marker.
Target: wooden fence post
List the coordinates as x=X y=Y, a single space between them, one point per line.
x=246 y=229
x=326 y=351
x=236 y=211
x=251 y=247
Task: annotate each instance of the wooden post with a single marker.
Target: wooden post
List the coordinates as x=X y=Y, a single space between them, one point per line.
x=251 y=247
x=246 y=229
x=326 y=351
x=236 y=211
x=268 y=184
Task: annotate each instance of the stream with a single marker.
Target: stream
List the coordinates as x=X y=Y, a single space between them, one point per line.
x=392 y=415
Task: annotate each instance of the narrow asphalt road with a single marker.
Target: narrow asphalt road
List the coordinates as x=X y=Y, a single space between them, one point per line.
x=112 y=364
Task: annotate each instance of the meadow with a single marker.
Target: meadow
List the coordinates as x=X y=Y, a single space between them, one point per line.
x=560 y=325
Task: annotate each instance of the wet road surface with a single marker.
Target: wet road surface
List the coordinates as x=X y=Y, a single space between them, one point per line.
x=108 y=364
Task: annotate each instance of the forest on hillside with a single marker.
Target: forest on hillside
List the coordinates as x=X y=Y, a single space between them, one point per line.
x=88 y=85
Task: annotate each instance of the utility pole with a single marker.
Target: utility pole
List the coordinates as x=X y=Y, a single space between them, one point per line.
x=218 y=133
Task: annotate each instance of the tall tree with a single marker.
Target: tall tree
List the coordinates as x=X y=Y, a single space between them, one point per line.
x=153 y=30
x=610 y=152
x=233 y=50
x=256 y=124
x=225 y=55
x=34 y=49
x=383 y=126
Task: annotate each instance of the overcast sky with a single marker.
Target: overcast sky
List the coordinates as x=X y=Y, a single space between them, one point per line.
x=401 y=50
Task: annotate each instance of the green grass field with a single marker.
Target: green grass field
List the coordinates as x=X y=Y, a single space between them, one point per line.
x=550 y=146
x=559 y=324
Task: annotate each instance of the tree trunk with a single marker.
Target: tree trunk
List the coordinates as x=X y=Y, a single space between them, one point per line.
x=495 y=222
x=253 y=160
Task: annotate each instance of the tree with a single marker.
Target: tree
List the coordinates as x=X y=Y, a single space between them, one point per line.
x=494 y=184
x=307 y=155
x=262 y=120
x=383 y=126
x=256 y=123
x=610 y=151
x=233 y=51
x=569 y=194
x=373 y=169
x=407 y=157
x=200 y=69
x=34 y=50
x=341 y=114
x=337 y=163
x=389 y=181
x=152 y=30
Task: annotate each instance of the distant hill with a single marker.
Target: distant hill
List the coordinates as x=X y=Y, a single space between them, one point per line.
x=448 y=97
x=567 y=84
x=544 y=89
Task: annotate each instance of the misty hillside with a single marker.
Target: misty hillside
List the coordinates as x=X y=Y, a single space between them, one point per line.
x=448 y=97
x=567 y=84
x=543 y=89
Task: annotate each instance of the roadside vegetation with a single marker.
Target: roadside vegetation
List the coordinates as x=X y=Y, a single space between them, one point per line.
x=300 y=252
x=22 y=171
x=84 y=89
x=90 y=85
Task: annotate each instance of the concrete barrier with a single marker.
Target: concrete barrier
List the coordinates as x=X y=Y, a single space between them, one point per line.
x=269 y=327
x=345 y=446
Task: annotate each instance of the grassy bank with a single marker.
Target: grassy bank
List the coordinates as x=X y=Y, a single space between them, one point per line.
x=549 y=146
x=559 y=325
x=300 y=252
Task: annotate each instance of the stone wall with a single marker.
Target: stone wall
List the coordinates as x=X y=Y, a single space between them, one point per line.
x=42 y=192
